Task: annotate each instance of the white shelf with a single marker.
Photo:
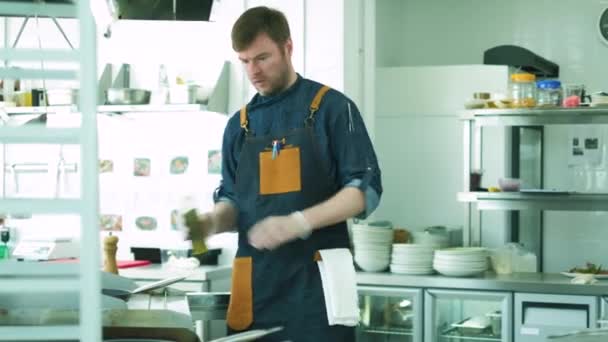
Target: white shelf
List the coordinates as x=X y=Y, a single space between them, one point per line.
x=15 y=73
x=39 y=333
x=522 y=201
x=57 y=9
x=36 y=285
x=38 y=54
x=28 y=269
x=152 y=108
x=166 y=108
x=41 y=206
x=39 y=110
x=39 y=135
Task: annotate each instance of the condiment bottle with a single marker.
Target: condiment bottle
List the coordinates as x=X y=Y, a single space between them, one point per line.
x=110 y=246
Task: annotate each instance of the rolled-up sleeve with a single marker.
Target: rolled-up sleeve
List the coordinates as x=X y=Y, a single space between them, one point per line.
x=354 y=155
x=225 y=191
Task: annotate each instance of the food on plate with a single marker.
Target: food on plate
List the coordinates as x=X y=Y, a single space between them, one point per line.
x=590 y=268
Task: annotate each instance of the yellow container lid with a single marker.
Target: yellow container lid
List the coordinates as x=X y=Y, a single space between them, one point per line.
x=524 y=77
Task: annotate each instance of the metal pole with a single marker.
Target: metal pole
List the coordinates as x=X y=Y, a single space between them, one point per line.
x=18 y=34
x=63 y=33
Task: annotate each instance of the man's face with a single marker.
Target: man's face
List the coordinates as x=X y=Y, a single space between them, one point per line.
x=267 y=64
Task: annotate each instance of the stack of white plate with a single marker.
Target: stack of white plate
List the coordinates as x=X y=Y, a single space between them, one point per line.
x=372 y=243
x=437 y=240
x=461 y=261
x=412 y=259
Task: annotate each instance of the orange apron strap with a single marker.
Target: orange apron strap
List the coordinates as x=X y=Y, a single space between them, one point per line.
x=244 y=119
x=314 y=105
x=317 y=256
x=240 y=309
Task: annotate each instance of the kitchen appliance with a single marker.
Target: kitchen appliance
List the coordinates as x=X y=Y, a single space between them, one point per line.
x=46 y=248
x=538 y=316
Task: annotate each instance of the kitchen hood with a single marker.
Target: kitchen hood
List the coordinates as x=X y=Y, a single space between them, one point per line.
x=187 y=10
x=522 y=58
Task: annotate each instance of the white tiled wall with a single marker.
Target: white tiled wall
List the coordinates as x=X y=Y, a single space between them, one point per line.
x=439 y=32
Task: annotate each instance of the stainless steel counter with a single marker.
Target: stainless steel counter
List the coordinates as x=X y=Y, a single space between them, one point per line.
x=551 y=283
x=157 y=272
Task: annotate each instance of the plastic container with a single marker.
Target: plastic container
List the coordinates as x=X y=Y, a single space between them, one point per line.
x=522 y=90
x=549 y=93
x=573 y=94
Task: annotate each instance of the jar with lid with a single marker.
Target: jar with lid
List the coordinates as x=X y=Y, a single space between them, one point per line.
x=549 y=93
x=522 y=90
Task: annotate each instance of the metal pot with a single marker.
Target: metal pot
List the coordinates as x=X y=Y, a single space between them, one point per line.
x=127 y=96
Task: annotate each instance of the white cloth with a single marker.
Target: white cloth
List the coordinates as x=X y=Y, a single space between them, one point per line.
x=584 y=278
x=339 y=286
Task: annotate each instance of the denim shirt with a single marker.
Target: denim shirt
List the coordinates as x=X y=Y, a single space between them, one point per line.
x=343 y=139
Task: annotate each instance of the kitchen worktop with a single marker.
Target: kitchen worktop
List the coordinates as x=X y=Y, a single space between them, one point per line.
x=517 y=282
x=157 y=272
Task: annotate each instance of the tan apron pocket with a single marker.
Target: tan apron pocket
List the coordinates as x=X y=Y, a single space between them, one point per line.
x=282 y=174
x=240 y=309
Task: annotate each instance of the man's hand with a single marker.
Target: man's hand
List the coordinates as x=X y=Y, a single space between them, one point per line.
x=199 y=226
x=275 y=231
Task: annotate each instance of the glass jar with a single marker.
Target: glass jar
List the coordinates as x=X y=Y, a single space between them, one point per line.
x=549 y=93
x=522 y=90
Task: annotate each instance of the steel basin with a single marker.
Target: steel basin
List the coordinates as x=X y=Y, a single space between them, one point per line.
x=206 y=306
x=127 y=96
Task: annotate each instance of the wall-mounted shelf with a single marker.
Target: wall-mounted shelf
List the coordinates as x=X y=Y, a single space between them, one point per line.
x=152 y=108
x=520 y=201
x=107 y=109
x=535 y=117
x=55 y=9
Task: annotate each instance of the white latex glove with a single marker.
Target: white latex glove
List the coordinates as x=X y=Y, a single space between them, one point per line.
x=275 y=231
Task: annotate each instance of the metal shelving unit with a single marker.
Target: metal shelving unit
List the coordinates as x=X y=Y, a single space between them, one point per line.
x=81 y=279
x=473 y=123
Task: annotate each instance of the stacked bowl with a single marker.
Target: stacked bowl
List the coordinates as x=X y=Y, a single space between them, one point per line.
x=412 y=259
x=461 y=261
x=372 y=244
x=437 y=239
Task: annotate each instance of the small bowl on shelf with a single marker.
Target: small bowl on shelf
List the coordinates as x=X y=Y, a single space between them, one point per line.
x=509 y=184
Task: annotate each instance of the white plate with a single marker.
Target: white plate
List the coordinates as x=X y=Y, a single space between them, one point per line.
x=248 y=335
x=596 y=276
x=159 y=284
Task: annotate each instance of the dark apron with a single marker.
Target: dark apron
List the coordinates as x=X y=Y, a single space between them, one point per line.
x=283 y=287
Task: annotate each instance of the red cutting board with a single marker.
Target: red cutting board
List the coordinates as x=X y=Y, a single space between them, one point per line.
x=132 y=263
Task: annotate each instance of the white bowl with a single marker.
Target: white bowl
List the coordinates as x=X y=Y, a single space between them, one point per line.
x=371 y=265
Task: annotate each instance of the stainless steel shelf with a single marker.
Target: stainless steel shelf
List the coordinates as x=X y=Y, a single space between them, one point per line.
x=553 y=283
x=535 y=117
x=521 y=201
x=387 y=331
x=454 y=334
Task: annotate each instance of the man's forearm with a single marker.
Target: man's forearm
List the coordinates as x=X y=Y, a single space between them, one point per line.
x=347 y=203
x=224 y=216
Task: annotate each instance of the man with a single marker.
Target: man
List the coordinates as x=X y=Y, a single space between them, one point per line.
x=296 y=163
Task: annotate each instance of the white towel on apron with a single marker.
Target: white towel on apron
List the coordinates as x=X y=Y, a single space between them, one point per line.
x=339 y=286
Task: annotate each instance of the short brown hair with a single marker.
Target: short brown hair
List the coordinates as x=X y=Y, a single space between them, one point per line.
x=258 y=20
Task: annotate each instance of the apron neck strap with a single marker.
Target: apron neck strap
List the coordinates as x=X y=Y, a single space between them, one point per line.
x=244 y=120
x=314 y=106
